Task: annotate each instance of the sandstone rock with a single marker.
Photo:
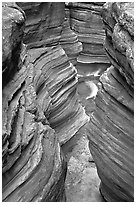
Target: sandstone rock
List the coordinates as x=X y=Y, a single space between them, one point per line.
x=70 y=43
x=43 y=23
x=111 y=128
x=12 y=32
x=32 y=163
x=86 y=22
x=120 y=43
x=46 y=25
x=39 y=102
x=56 y=76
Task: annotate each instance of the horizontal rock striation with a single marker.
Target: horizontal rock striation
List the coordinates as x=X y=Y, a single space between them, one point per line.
x=86 y=22
x=69 y=42
x=111 y=128
x=43 y=23
x=33 y=167
x=46 y=25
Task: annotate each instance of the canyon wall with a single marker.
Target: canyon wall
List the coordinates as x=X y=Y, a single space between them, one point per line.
x=46 y=26
x=111 y=127
x=40 y=109
x=41 y=44
x=86 y=22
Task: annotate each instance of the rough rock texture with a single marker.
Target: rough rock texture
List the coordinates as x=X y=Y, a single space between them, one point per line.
x=70 y=43
x=32 y=163
x=43 y=23
x=12 y=30
x=39 y=103
x=55 y=79
x=82 y=181
x=54 y=72
x=86 y=22
x=46 y=25
x=111 y=129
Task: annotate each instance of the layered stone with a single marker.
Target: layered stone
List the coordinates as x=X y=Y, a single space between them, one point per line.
x=46 y=25
x=55 y=78
x=33 y=168
x=40 y=105
x=86 y=22
x=111 y=130
x=70 y=43
x=43 y=23
x=57 y=74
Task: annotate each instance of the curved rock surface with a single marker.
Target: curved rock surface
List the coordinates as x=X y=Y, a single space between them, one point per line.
x=86 y=22
x=32 y=163
x=55 y=78
x=39 y=103
x=53 y=70
x=12 y=33
x=46 y=25
x=111 y=129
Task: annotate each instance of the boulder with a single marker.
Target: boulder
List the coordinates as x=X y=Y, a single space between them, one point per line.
x=119 y=44
x=13 y=22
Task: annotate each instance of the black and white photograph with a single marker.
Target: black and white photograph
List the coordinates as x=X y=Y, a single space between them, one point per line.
x=67 y=101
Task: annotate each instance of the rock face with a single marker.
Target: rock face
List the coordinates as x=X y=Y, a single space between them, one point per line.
x=33 y=166
x=39 y=103
x=46 y=25
x=13 y=25
x=111 y=129
x=86 y=22
x=55 y=79
x=43 y=23
x=54 y=72
x=70 y=43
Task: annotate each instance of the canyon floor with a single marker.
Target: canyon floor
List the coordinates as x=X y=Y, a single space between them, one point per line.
x=82 y=181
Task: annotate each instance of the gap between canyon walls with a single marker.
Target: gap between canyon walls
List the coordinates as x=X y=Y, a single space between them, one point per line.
x=55 y=79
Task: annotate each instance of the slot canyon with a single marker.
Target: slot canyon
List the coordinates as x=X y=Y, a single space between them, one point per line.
x=68 y=101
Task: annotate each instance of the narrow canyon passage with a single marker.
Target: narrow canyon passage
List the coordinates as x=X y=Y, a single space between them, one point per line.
x=82 y=181
x=67 y=101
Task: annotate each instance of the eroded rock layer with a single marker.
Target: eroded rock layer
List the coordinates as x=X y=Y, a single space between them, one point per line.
x=55 y=79
x=46 y=25
x=39 y=102
x=111 y=129
x=43 y=23
x=53 y=69
x=70 y=43
x=32 y=163
x=86 y=22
